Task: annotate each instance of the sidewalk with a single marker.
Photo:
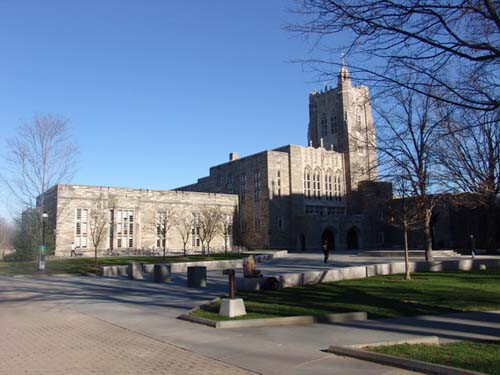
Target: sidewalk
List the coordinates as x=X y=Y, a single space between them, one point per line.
x=150 y=310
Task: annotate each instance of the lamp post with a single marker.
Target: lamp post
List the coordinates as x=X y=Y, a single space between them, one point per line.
x=41 y=260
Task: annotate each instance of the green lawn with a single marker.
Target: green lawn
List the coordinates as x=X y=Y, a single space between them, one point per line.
x=81 y=265
x=476 y=356
x=380 y=296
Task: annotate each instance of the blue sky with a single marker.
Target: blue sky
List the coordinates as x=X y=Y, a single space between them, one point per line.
x=156 y=91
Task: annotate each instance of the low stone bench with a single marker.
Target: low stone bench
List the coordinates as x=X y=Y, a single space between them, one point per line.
x=135 y=271
x=161 y=272
x=197 y=277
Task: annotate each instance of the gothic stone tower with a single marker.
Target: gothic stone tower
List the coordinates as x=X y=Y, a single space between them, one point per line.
x=340 y=119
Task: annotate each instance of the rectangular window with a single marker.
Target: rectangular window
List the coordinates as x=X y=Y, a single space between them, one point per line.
x=230 y=184
x=243 y=187
x=257 y=224
x=243 y=226
x=161 y=229
x=195 y=231
x=81 y=223
x=125 y=228
x=111 y=226
x=278 y=183
x=256 y=183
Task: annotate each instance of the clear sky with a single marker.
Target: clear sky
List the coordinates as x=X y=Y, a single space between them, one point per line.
x=156 y=91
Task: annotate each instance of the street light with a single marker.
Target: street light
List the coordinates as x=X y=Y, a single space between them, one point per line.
x=41 y=260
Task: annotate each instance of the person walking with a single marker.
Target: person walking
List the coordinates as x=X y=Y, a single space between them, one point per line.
x=326 y=252
x=73 y=252
x=472 y=246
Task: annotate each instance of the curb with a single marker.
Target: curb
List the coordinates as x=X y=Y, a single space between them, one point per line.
x=404 y=363
x=272 y=322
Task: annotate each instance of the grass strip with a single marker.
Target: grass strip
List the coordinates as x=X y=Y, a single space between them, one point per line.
x=380 y=296
x=82 y=266
x=483 y=356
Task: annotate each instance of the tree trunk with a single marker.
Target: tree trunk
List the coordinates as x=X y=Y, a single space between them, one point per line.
x=407 y=265
x=491 y=232
x=427 y=235
x=95 y=253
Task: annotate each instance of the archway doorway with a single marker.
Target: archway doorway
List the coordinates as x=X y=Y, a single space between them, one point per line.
x=328 y=239
x=302 y=242
x=352 y=239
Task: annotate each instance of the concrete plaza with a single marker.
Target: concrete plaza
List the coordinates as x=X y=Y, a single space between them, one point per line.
x=76 y=325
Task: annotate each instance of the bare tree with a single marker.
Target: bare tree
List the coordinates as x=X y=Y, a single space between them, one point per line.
x=98 y=220
x=470 y=160
x=6 y=234
x=41 y=155
x=450 y=48
x=406 y=143
x=164 y=222
x=211 y=222
x=183 y=223
x=403 y=213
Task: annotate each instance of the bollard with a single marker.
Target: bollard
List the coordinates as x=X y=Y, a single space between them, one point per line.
x=232 y=282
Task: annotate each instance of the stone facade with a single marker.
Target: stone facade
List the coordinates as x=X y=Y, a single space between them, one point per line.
x=309 y=197
x=340 y=119
x=292 y=197
x=131 y=217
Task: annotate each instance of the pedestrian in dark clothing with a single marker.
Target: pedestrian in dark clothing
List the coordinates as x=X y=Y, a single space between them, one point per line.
x=326 y=252
x=472 y=246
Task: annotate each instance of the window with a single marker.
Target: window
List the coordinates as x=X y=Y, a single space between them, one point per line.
x=338 y=186
x=111 y=226
x=314 y=210
x=195 y=231
x=125 y=228
x=230 y=184
x=243 y=226
x=333 y=124
x=307 y=183
x=317 y=184
x=257 y=224
x=323 y=125
x=359 y=122
x=161 y=229
x=81 y=224
x=256 y=185
x=243 y=187
x=329 y=185
x=278 y=183
x=228 y=231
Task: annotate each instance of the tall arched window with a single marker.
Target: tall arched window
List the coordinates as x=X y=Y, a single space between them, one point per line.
x=317 y=184
x=323 y=125
x=329 y=185
x=338 y=186
x=307 y=182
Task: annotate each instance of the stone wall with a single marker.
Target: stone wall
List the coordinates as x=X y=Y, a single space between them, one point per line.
x=144 y=204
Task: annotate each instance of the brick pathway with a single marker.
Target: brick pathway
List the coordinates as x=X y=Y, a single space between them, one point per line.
x=41 y=338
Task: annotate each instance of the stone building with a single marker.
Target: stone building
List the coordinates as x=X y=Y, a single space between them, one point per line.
x=131 y=219
x=292 y=197
x=303 y=198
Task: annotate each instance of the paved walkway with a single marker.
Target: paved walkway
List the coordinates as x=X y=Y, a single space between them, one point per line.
x=149 y=311
x=41 y=338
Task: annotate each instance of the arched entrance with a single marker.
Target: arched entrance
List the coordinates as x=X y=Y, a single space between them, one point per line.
x=352 y=239
x=328 y=239
x=302 y=242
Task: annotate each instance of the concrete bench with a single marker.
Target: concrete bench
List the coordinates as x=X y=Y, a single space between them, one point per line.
x=197 y=277
x=161 y=272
